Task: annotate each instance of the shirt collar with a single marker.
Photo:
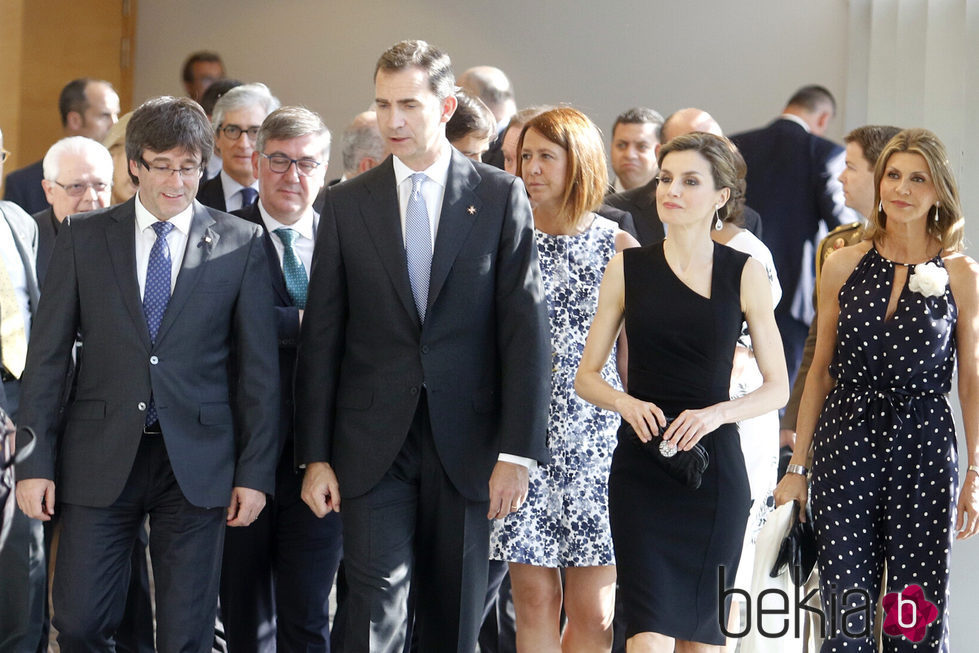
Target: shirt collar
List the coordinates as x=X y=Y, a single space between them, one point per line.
x=231 y=186
x=180 y=222
x=797 y=120
x=304 y=226
x=437 y=172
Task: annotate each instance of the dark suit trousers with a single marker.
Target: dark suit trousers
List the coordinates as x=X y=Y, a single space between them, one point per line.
x=94 y=561
x=277 y=573
x=415 y=528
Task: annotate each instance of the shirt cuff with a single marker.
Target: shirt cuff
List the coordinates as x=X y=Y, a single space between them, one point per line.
x=529 y=463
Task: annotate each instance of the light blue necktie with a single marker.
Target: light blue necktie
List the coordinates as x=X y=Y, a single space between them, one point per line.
x=248 y=195
x=293 y=268
x=418 y=244
x=156 y=292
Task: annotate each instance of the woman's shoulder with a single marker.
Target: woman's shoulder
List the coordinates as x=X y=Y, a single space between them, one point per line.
x=963 y=275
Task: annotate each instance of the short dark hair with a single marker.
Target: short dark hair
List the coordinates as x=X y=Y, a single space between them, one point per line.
x=435 y=62
x=871 y=139
x=201 y=56
x=640 y=116
x=812 y=97
x=471 y=115
x=73 y=97
x=166 y=122
x=286 y=123
x=215 y=91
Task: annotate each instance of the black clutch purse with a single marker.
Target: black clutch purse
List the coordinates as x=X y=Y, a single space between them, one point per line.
x=687 y=467
x=798 y=550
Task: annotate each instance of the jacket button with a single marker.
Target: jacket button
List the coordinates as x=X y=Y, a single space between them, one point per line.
x=425 y=349
x=413 y=390
x=141 y=406
x=154 y=360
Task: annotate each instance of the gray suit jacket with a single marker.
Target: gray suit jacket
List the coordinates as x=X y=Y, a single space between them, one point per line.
x=219 y=432
x=24 y=230
x=482 y=357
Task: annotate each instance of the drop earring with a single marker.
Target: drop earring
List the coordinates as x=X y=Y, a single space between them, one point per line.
x=718 y=225
x=937 y=204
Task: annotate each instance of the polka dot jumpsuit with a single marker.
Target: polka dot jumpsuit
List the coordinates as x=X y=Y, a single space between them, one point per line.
x=885 y=469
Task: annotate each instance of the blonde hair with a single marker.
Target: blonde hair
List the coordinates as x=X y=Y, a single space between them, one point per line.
x=950 y=226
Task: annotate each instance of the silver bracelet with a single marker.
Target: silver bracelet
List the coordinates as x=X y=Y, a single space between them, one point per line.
x=802 y=471
x=973 y=468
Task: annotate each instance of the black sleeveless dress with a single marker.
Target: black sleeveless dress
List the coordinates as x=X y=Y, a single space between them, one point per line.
x=671 y=542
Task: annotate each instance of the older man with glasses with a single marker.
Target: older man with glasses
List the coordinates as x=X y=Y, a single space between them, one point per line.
x=236 y=119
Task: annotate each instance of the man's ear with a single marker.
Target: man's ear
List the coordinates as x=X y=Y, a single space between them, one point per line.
x=74 y=121
x=255 y=156
x=366 y=163
x=48 y=190
x=449 y=105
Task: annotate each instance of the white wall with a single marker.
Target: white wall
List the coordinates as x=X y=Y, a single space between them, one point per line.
x=738 y=60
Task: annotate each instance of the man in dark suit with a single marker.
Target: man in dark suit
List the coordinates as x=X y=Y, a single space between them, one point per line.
x=419 y=386
x=237 y=116
x=287 y=548
x=635 y=142
x=78 y=178
x=641 y=201
x=793 y=181
x=23 y=590
x=167 y=295
x=88 y=107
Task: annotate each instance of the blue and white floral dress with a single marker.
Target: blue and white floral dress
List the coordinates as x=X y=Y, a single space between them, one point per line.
x=564 y=522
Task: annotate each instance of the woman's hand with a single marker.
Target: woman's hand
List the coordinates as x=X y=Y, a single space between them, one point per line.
x=645 y=417
x=691 y=425
x=967 y=523
x=793 y=487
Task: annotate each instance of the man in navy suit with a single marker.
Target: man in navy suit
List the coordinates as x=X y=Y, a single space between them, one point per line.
x=793 y=182
x=168 y=297
x=420 y=392
x=236 y=119
x=88 y=107
x=287 y=548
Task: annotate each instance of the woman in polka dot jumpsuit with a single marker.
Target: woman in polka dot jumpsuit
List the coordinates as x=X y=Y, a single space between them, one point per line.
x=895 y=314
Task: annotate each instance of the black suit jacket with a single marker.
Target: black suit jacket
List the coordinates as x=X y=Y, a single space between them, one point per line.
x=792 y=181
x=46 y=234
x=221 y=308
x=482 y=357
x=23 y=187
x=641 y=203
x=211 y=193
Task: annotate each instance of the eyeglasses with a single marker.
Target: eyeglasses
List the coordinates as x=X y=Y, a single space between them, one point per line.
x=279 y=163
x=164 y=171
x=77 y=190
x=3 y=155
x=233 y=132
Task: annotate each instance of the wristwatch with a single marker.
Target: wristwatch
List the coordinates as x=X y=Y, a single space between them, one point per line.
x=798 y=469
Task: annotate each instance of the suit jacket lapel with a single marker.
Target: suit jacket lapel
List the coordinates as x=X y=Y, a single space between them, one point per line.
x=253 y=214
x=382 y=216
x=460 y=210
x=200 y=242
x=120 y=237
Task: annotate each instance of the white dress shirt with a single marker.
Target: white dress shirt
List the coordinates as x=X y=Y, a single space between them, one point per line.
x=146 y=236
x=434 y=193
x=305 y=227
x=232 y=191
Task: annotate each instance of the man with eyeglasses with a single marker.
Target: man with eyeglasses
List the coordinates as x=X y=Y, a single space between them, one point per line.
x=77 y=178
x=177 y=395
x=277 y=573
x=237 y=116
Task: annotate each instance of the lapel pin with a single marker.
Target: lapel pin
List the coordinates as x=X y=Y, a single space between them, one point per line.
x=471 y=210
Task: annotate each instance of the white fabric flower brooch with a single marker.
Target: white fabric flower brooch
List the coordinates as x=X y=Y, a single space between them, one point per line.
x=929 y=279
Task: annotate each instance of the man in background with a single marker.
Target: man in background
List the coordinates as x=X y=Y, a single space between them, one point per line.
x=201 y=69
x=493 y=87
x=635 y=141
x=88 y=107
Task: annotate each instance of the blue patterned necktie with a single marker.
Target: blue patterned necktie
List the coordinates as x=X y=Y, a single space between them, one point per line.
x=293 y=268
x=418 y=244
x=156 y=292
x=248 y=195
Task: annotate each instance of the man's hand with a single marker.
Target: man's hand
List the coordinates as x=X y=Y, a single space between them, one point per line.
x=35 y=496
x=508 y=489
x=245 y=506
x=321 y=492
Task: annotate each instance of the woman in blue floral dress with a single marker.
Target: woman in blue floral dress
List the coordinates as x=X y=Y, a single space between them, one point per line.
x=896 y=313
x=564 y=522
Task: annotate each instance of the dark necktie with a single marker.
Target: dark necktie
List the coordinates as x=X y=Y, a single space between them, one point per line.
x=293 y=268
x=248 y=195
x=418 y=244
x=156 y=292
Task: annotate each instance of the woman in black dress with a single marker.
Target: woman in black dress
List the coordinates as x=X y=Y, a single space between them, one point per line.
x=682 y=302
